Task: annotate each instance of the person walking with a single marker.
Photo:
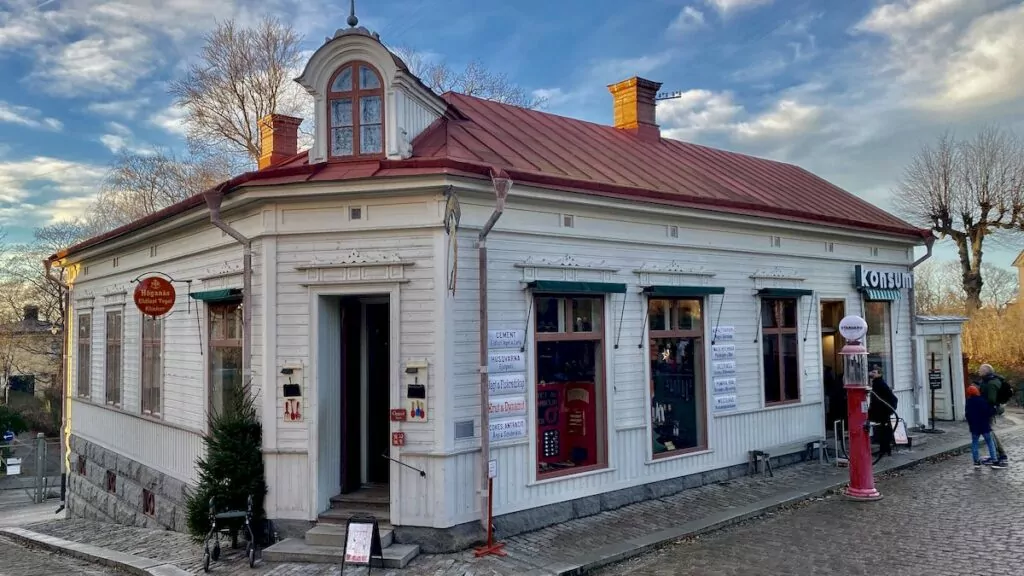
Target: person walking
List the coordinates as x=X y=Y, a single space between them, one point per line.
x=992 y=388
x=880 y=411
x=979 y=419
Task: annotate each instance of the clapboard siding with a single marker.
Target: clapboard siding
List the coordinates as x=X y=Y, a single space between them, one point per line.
x=732 y=255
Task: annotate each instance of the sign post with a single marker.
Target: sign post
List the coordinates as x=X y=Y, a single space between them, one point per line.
x=362 y=543
x=934 y=383
x=491 y=547
x=855 y=377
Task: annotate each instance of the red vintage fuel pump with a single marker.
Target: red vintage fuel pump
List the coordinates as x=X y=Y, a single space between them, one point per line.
x=855 y=381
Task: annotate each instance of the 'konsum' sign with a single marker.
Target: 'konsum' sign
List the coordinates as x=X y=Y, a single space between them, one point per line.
x=877 y=280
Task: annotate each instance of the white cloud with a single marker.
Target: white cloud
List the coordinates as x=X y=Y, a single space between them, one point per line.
x=29 y=117
x=614 y=70
x=119 y=108
x=904 y=16
x=26 y=183
x=171 y=119
x=726 y=7
x=689 y=19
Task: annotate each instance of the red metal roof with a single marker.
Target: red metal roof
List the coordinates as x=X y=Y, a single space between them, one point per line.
x=546 y=150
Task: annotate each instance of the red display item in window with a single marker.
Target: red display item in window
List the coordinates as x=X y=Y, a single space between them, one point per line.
x=580 y=430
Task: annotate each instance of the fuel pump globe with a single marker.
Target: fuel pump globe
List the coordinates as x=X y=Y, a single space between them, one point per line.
x=856 y=382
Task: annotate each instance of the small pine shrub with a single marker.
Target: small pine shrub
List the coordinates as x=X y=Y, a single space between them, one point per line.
x=233 y=467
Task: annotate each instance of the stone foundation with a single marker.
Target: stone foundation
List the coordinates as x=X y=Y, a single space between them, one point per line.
x=88 y=496
x=444 y=540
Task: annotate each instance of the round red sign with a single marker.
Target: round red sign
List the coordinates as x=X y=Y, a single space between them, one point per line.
x=154 y=296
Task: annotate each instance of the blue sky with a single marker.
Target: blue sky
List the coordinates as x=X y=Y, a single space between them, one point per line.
x=848 y=89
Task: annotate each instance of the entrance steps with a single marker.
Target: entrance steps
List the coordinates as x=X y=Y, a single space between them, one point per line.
x=324 y=543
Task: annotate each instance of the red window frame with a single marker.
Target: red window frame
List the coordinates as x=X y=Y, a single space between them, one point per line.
x=356 y=94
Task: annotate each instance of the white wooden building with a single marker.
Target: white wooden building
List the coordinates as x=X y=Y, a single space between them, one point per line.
x=616 y=256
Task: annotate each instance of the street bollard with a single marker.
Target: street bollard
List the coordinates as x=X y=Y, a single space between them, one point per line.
x=40 y=469
x=855 y=382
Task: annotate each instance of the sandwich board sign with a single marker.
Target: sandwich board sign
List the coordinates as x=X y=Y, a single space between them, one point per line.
x=362 y=543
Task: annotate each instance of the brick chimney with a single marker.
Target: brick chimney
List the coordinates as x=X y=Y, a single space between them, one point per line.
x=279 y=139
x=634 y=106
x=31 y=313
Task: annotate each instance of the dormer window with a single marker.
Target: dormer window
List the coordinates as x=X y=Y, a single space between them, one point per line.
x=355 y=109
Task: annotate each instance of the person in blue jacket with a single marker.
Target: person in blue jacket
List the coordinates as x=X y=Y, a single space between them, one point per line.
x=979 y=419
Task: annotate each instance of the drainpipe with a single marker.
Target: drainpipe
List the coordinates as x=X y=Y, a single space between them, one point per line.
x=929 y=242
x=65 y=422
x=213 y=198
x=501 y=183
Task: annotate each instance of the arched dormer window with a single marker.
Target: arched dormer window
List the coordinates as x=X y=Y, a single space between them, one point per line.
x=355 y=109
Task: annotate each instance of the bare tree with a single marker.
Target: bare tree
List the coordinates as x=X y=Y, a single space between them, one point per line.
x=242 y=75
x=967 y=190
x=938 y=288
x=139 y=184
x=474 y=80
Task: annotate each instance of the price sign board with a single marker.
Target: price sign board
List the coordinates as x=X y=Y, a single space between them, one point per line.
x=362 y=542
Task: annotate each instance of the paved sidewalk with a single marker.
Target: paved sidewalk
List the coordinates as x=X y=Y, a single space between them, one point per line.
x=608 y=537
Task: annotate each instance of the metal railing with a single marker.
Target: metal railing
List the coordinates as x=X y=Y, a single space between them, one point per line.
x=30 y=470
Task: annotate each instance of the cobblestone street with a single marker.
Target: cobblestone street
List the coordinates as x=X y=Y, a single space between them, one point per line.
x=17 y=560
x=943 y=519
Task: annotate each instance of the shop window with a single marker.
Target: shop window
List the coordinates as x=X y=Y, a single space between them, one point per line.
x=677 y=376
x=571 y=419
x=152 y=364
x=356 y=112
x=84 y=354
x=780 y=350
x=225 y=355
x=113 y=357
x=879 y=338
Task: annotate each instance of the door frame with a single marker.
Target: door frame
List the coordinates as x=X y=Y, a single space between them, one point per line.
x=386 y=291
x=827 y=298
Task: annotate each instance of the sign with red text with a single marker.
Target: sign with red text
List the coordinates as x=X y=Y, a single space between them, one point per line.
x=507 y=406
x=154 y=296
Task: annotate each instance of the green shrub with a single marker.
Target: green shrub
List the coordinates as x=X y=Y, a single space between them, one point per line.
x=233 y=467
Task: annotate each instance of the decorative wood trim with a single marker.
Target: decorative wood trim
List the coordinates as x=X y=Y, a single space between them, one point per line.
x=571 y=268
x=673 y=273
x=225 y=271
x=356 y=268
x=777 y=277
x=777 y=273
x=352 y=282
x=567 y=261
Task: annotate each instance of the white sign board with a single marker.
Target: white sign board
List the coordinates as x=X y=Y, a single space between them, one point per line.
x=853 y=327
x=498 y=339
x=492 y=468
x=725 y=402
x=507 y=406
x=513 y=429
x=506 y=383
x=358 y=542
x=13 y=466
x=505 y=362
x=723 y=352
x=725 y=385
x=724 y=368
x=723 y=333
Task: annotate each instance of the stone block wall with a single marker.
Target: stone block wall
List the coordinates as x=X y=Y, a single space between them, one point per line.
x=88 y=496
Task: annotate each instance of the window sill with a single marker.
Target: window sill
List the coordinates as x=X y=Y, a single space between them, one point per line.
x=568 y=475
x=652 y=460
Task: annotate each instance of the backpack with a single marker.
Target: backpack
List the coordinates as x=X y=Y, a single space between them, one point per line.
x=1005 y=392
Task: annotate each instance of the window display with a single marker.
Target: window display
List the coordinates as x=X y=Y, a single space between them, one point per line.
x=879 y=338
x=571 y=434
x=677 y=376
x=780 y=350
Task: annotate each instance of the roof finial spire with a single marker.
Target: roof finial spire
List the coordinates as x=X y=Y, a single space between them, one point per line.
x=352 y=20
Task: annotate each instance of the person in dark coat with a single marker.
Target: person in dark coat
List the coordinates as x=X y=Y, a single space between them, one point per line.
x=979 y=419
x=880 y=411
